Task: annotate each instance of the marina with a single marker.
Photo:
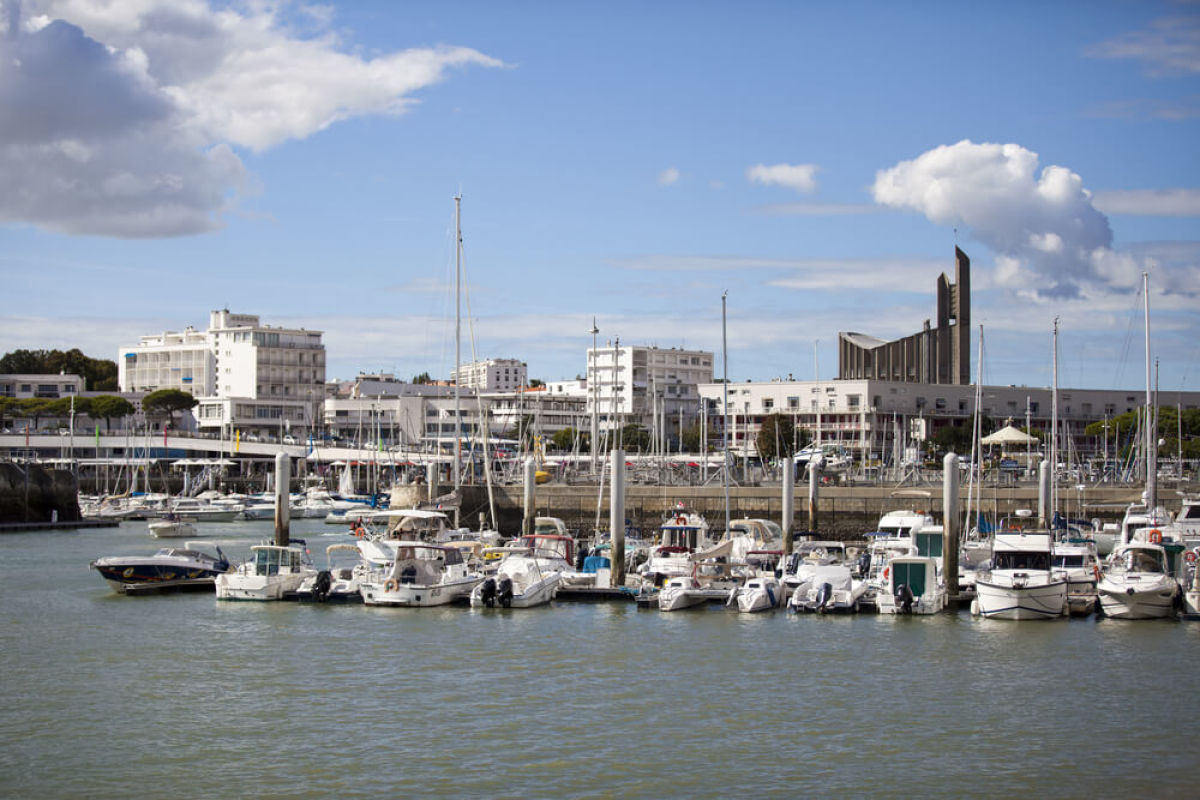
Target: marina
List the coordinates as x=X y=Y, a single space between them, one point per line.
x=284 y=694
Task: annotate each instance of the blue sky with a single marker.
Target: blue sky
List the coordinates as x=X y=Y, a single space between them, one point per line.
x=623 y=161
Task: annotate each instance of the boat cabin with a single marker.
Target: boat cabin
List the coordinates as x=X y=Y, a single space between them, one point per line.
x=549 y=546
x=1030 y=551
x=423 y=564
x=272 y=559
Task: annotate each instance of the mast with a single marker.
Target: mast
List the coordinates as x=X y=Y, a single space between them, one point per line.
x=1054 y=427
x=594 y=391
x=457 y=338
x=725 y=403
x=1151 y=427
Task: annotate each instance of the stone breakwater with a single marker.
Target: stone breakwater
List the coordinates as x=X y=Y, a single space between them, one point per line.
x=29 y=493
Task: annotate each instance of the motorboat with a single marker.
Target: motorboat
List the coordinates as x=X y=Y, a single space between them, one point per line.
x=760 y=593
x=686 y=591
x=827 y=589
x=1139 y=582
x=1191 y=597
x=339 y=582
x=521 y=580
x=754 y=535
x=1021 y=583
x=422 y=574
x=190 y=566
x=681 y=534
x=171 y=526
x=1078 y=560
x=193 y=509
x=410 y=524
x=271 y=572
x=912 y=584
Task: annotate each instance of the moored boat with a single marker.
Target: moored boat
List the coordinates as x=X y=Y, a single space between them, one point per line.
x=190 y=566
x=272 y=571
x=1021 y=582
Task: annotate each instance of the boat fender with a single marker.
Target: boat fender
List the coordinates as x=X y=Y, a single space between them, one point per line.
x=1155 y=536
x=389 y=585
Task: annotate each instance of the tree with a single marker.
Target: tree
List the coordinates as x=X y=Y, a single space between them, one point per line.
x=98 y=374
x=107 y=406
x=634 y=438
x=565 y=439
x=536 y=383
x=776 y=437
x=168 y=401
x=522 y=431
x=956 y=438
x=422 y=378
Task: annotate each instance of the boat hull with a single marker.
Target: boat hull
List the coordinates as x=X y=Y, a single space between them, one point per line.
x=232 y=586
x=1121 y=602
x=413 y=595
x=1005 y=599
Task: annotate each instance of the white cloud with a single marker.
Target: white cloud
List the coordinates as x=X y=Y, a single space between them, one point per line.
x=1150 y=202
x=1045 y=220
x=118 y=118
x=816 y=209
x=800 y=177
x=668 y=176
x=1168 y=46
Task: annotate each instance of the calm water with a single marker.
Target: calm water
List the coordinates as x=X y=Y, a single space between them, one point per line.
x=109 y=696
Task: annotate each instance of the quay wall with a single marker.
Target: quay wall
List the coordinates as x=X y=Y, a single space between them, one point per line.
x=29 y=493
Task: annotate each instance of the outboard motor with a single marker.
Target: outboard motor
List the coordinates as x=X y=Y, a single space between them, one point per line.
x=322 y=585
x=505 y=592
x=863 y=564
x=793 y=564
x=580 y=556
x=487 y=593
x=904 y=598
x=824 y=595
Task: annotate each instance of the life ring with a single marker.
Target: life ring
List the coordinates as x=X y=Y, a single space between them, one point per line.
x=359 y=532
x=681 y=520
x=886 y=572
x=1154 y=536
x=1191 y=556
x=390 y=585
x=1096 y=572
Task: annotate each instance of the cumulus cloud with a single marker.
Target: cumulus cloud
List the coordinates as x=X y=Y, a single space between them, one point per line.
x=121 y=119
x=800 y=177
x=668 y=176
x=1043 y=226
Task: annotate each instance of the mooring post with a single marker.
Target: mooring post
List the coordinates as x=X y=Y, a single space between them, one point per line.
x=950 y=524
x=283 y=482
x=1044 y=511
x=814 y=480
x=431 y=480
x=616 y=517
x=789 y=500
x=530 y=508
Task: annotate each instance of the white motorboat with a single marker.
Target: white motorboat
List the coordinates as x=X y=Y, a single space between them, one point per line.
x=1021 y=582
x=912 y=584
x=195 y=510
x=1077 y=559
x=761 y=593
x=422 y=574
x=190 y=566
x=753 y=535
x=272 y=571
x=1138 y=582
x=827 y=589
x=1191 y=597
x=170 y=526
x=680 y=535
x=684 y=591
x=522 y=580
x=339 y=582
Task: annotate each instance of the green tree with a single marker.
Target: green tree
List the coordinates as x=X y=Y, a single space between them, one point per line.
x=776 y=437
x=956 y=438
x=167 y=402
x=422 y=378
x=108 y=406
x=33 y=408
x=634 y=438
x=536 y=383
x=98 y=374
x=565 y=440
x=522 y=431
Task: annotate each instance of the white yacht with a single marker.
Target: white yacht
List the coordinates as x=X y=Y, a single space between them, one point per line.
x=679 y=536
x=422 y=574
x=1078 y=560
x=1021 y=582
x=1138 y=583
x=170 y=526
x=272 y=571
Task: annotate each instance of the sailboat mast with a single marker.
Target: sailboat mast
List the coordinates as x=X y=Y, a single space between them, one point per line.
x=457 y=337
x=725 y=403
x=1054 y=427
x=1151 y=427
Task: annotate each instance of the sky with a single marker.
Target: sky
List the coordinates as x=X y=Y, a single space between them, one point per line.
x=623 y=162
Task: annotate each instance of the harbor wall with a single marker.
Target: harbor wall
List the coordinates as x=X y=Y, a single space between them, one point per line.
x=29 y=493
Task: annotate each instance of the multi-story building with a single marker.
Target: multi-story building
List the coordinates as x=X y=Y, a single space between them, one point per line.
x=492 y=375
x=247 y=376
x=654 y=388
x=45 y=387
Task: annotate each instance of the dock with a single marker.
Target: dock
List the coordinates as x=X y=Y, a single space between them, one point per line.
x=22 y=527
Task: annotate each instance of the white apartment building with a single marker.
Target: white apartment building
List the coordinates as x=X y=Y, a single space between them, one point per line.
x=247 y=376
x=868 y=416
x=46 y=387
x=639 y=385
x=492 y=375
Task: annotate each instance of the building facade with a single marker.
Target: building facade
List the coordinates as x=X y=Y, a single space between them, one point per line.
x=247 y=376
x=654 y=388
x=492 y=375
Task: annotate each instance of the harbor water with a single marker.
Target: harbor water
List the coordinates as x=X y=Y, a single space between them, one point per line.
x=106 y=696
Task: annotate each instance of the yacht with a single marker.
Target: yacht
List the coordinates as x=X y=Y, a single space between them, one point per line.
x=422 y=574
x=679 y=536
x=193 y=509
x=171 y=526
x=1078 y=560
x=272 y=571
x=1021 y=582
x=190 y=566
x=1139 y=582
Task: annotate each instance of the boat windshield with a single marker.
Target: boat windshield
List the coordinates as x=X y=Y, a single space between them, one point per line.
x=1142 y=561
x=1019 y=560
x=1068 y=561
